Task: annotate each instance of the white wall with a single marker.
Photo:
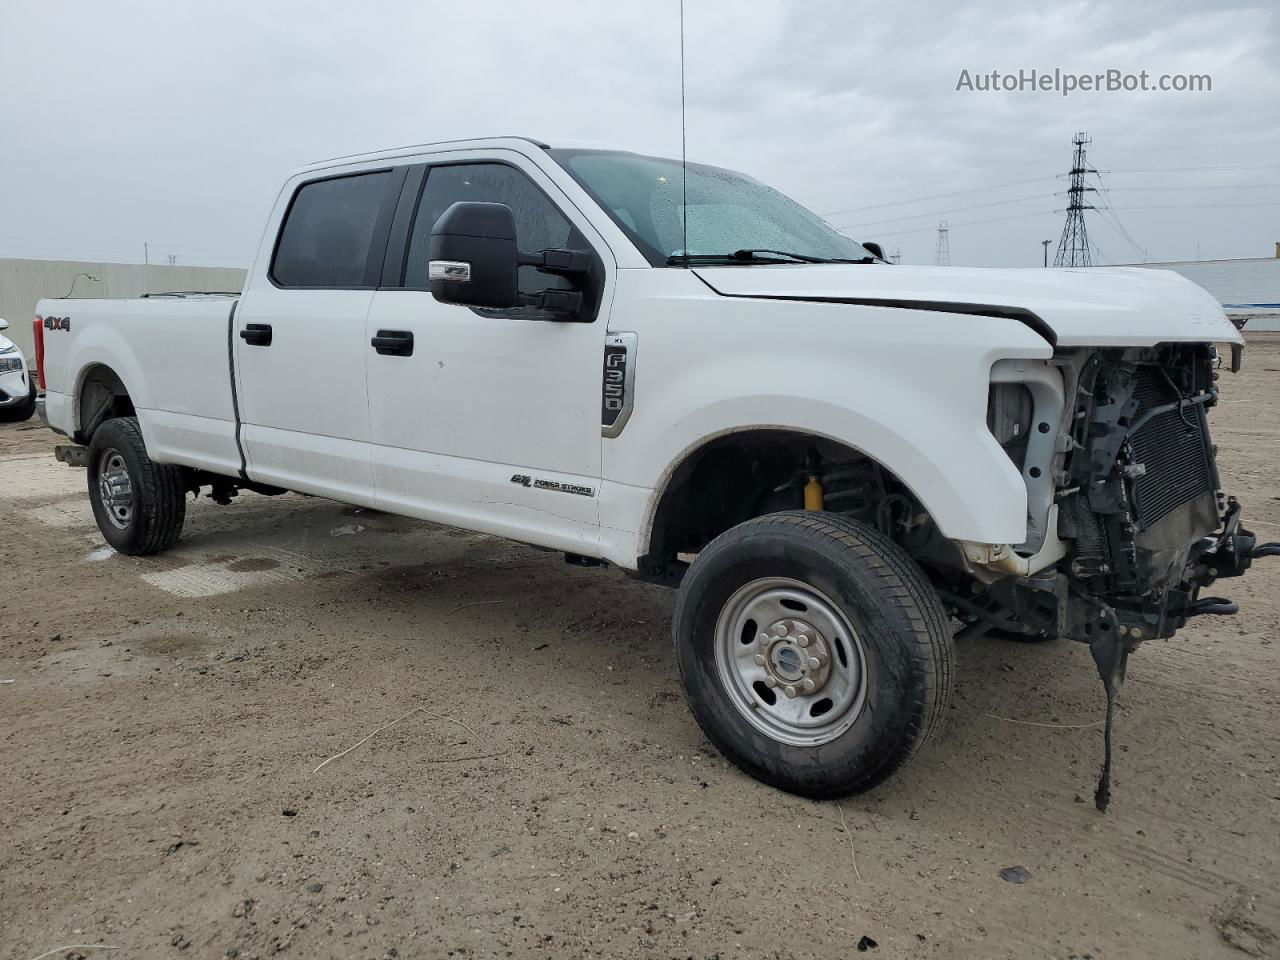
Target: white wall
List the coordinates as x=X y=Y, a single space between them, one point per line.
x=1246 y=288
x=24 y=282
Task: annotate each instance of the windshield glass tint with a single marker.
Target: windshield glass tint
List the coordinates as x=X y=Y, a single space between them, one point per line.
x=727 y=211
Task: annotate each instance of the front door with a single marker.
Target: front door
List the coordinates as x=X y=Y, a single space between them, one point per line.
x=300 y=339
x=489 y=419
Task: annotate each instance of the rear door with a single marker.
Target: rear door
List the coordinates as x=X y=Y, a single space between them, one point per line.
x=300 y=337
x=488 y=419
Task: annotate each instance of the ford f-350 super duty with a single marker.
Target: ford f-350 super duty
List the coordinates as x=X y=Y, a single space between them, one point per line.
x=681 y=372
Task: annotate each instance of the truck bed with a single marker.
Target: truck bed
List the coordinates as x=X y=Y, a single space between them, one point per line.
x=173 y=352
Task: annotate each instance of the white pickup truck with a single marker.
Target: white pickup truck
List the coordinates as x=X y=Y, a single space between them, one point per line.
x=681 y=372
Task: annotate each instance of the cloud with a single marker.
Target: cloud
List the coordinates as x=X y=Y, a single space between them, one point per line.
x=174 y=125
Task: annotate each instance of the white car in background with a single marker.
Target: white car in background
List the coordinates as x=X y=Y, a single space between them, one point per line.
x=17 y=386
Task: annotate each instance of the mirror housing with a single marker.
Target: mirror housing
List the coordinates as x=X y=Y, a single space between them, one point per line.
x=874 y=249
x=475 y=263
x=4 y=324
x=473 y=256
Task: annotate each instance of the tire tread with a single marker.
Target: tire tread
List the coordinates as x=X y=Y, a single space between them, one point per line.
x=160 y=497
x=898 y=581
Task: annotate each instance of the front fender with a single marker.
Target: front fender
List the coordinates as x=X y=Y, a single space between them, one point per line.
x=907 y=388
x=956 y=469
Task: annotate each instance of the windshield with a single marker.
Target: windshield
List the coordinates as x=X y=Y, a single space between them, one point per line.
x=727 y=211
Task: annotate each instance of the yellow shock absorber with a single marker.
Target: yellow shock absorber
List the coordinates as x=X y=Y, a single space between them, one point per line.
x=813 y=495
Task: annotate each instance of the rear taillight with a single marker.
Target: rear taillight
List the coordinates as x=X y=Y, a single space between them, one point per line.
x=37 y=334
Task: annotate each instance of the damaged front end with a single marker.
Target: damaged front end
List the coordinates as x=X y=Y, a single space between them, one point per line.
x=1127 y=523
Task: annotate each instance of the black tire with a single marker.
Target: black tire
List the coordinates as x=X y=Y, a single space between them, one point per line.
x=157 y=502
x=905 y=644
x=23 y=410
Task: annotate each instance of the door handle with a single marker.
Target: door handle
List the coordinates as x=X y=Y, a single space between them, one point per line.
x=393 y=343
x=256 y=334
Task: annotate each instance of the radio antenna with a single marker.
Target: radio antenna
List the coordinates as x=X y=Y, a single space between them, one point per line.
x=684 y=154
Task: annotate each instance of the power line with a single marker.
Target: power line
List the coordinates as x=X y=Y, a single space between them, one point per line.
x=1196 y=169
x=956 y=193
x=1206 y=206
x=934 y=213
x=965 y=223
x=1108 y=214
x=1194 y=146
x=998 y=203
x=966 y=176
x=938 y=196
x=999 y=186
x=1206 y=186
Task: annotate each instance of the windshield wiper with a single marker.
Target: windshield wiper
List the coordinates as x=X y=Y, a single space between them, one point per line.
x=755 y=255
x=751 y=256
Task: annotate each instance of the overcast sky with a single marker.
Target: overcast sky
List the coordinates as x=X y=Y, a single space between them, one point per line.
x=126 y=122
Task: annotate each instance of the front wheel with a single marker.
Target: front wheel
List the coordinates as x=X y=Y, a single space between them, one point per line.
x=814 y=652
x=140 y=505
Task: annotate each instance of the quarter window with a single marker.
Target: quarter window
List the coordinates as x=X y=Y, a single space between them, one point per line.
x=328 y=232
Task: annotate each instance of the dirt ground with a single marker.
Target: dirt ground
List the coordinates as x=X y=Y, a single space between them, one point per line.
x=161 y=736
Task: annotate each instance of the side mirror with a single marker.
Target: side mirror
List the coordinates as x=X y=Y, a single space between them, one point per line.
x=473 y=256
x=4 y=324
x=475 y=262
x=874 y=249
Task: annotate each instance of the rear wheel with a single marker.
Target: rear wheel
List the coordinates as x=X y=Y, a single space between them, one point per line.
x=814 y=653
x=140 y=505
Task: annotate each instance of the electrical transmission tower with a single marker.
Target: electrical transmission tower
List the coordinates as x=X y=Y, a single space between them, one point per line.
x=942 y=256
x=1073 y=245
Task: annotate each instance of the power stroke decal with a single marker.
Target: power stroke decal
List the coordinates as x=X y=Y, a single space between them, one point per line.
x=537 y=483
x=618 y=394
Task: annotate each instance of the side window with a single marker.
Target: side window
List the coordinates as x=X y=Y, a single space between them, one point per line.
x=539 y=224
x=328 y=230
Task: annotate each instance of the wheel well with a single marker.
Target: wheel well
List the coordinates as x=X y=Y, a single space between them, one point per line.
x=736 y=477
x=102 y=396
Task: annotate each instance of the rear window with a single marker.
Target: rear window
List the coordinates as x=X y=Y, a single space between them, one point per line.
x=328 y=230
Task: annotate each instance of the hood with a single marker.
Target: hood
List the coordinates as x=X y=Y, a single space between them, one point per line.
x=1088 y=307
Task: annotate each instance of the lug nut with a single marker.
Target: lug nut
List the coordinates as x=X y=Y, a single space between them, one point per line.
x=759 y=659
x=814 y=663
x=764 y=639
x=808 y=686
x=790 y=692
x=802 y=640
x=783 y=630
x=770 y=682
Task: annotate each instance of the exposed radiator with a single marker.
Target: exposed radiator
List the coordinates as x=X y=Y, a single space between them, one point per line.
x=1174 y=447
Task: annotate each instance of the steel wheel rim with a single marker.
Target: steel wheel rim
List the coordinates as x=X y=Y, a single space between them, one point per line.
x=115 y=488
x=774 y=657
